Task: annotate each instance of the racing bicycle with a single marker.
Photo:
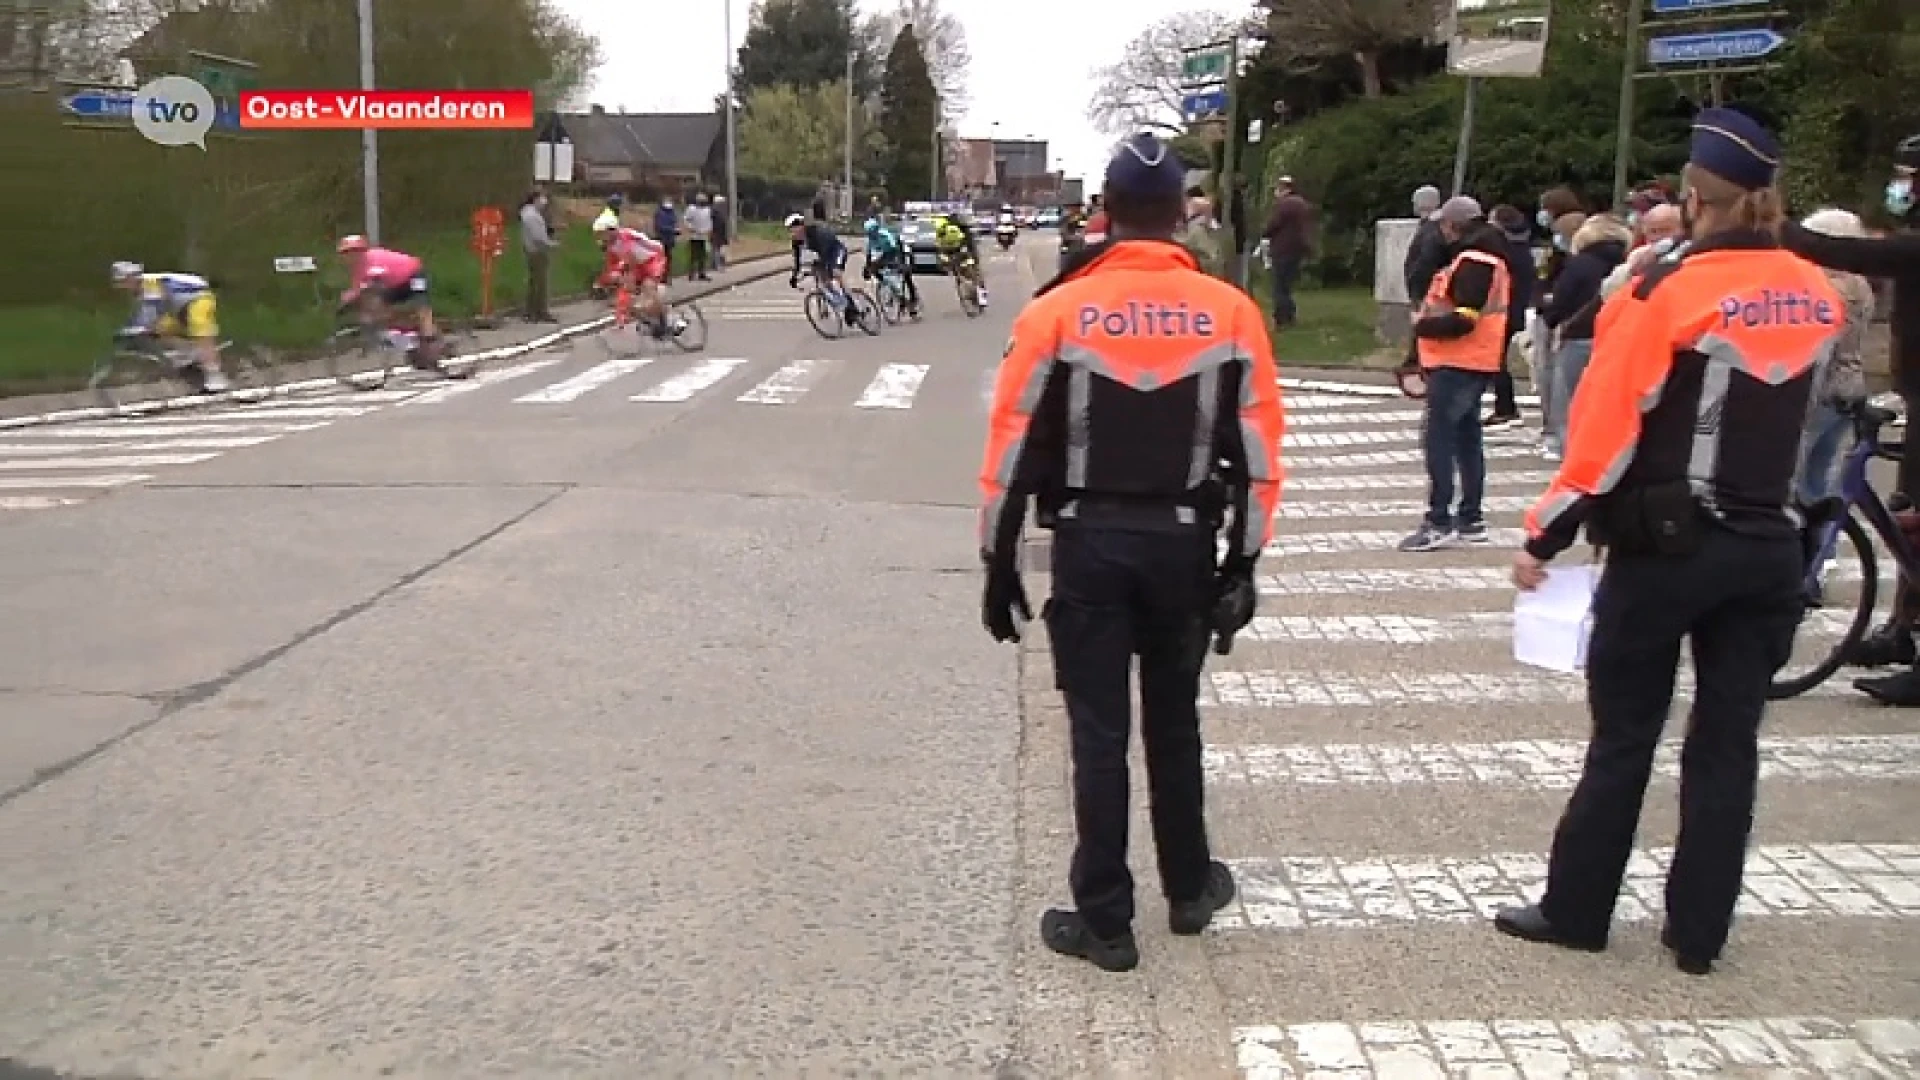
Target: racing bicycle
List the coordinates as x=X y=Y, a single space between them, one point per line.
x=141 y=359
x=1842 y=581
x=680 y=322
x=364 y=353
x=965 y=270
x=830 y=307
x=890 y=292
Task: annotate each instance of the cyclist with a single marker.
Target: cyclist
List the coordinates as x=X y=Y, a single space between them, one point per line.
x=642 y=262
x=885 y=252
x=173 y=307
x=830 y=255
x=391 y=279
x=951 y=233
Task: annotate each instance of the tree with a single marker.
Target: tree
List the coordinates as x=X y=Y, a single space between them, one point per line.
x=1306 y=33
x=1141 y=91
x=909 y=113
x=795 y=134
x=803 y=43
x=944 y=47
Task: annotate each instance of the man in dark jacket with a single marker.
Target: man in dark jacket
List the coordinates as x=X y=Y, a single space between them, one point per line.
x=1895 y=258
x=1428 y=251
x=1513 y=225
x=1289 y=238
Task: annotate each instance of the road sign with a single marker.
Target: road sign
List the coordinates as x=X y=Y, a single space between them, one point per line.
x=1203 y=66
x=116 y=106
x=1203 y=104
x=1720 y=45
x=487 y=232
x=295 y=264
x=1681 y=7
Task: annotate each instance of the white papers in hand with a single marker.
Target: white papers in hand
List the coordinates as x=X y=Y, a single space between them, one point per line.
x=1551 y=624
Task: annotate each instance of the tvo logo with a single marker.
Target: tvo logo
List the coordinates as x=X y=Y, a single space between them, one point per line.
x=174 y=110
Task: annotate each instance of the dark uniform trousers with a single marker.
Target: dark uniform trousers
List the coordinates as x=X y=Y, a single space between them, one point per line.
x=1737 y=598
x=1118 y=594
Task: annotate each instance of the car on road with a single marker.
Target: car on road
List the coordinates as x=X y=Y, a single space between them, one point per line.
x=916 y=235
x=1048 y=218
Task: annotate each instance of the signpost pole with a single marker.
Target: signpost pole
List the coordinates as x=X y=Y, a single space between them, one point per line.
x=369 y=139
x=733 y=167
x=1465 y=146
x=1623 y=124
x=1230 y=159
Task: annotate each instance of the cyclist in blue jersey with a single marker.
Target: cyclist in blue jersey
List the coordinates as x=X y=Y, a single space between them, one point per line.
x=885 y=252
x=818 y=237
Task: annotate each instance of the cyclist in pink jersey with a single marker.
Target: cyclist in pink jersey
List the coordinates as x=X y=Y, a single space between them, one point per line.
x=393 y=279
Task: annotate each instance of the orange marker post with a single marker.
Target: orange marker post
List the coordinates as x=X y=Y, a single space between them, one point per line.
x=488 y=244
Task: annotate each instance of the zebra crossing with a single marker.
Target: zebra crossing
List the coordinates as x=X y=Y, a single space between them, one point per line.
x=1382 y=776
x=677 y=379
x=48 y=466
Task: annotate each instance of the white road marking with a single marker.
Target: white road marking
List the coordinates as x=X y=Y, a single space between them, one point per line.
x=683 y=386
x=35 y=502
x=1322 y=401
x=788 y=384
x=894 y=387
x=384 y=396
x=1429 y=629
x=1547 y=764
x=1373 y=458
x=142 y=461
x=1806 y=880
x=1375 y=390
x=300 y=412
x=484 y=380
x=151 y=429
x=1350 y=542
x=1362 y=580
x=1343 y=419
x=1690 y=1048
x=1402 y=481
x=1327 y=440
x=29 y=449
x=37 y=483
x=1339 y=689
x=1407 y=508
x=587 y=381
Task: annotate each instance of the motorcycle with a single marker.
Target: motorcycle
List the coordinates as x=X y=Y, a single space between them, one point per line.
x=1006 y=232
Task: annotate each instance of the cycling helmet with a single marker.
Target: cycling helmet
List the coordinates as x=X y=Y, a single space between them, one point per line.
x=1907 y=154
x=795 y=219
x=126 y=271
x=351 y=244
x=616 y=200
x=605 y=223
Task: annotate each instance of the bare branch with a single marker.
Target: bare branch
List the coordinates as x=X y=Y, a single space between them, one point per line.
x=1142 y=89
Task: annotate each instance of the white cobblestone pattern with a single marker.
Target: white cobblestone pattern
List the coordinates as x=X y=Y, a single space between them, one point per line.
x=1548 y=764
x=1326 y=401
x=1406 y=481
x=1341 y=418
x=1797 y=880
x=1361 y=580
x=1350 y=541
x=1681 y=1049
x=1368 y=459
x=1425 y=629
x=1401 y=508
x=1329 y=440
x=1292 y=689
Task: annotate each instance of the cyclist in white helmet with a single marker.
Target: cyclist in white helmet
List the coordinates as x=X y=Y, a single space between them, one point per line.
x=174 y=307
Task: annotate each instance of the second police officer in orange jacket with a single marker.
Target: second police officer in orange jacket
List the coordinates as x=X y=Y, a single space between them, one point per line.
x=1138 y=404
x=1682 y=444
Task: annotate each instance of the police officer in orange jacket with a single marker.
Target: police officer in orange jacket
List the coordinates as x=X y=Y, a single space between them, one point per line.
x=1682 y=445
x=1138 y=404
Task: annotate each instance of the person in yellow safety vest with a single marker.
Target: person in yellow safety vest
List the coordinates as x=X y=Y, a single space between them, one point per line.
x=1460 y=338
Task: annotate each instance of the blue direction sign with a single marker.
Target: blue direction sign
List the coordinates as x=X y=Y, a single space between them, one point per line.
x=1680 y=7
x=1205 y=103
x=117 y=106
x=1721 y=45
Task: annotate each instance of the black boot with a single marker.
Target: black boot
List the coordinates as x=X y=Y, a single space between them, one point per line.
x=1901 y=690
x=1886 y=646
x=1066 y=933
x=1529 y=923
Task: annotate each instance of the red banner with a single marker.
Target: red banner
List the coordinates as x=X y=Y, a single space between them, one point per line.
x=413 y=109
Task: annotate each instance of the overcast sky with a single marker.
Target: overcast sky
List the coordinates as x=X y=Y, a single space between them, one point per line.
x=1029 y=74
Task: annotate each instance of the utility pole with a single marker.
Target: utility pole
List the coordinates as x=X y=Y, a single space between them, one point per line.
x=846 y=189
x=733 y=167
x=933 y=178
x=369 y=138
x=1464 y=149
x=1623 y=124
x=1230 y=158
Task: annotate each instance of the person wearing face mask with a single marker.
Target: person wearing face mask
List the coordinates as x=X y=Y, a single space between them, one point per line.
x=1897 y=258
x=1662 y=229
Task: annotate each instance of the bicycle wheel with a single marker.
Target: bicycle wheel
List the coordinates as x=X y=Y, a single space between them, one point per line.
x=691 y=337
x=357 y=359
x=824 y=319
x=866 y=313
x=1849 y=584
x=251 y=375
x=969 y=295
x=460 y=354
x=118 y=375
x=893 y=302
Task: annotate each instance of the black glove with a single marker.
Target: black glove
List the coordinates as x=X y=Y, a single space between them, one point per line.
x=1234 y=600
x=793 y=281
x=1005 y=595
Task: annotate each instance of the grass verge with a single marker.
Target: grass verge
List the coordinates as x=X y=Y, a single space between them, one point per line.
x=49 y=347
x=1335 y=328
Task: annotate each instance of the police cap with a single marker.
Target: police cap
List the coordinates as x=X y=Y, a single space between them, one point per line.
x=1145 y=169
x=1734 y=147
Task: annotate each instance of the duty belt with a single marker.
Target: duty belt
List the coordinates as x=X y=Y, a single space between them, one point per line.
x=1124 y=513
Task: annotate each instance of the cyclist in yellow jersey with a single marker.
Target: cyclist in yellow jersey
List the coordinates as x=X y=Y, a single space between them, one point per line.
x=954 y=238
x=175 y=307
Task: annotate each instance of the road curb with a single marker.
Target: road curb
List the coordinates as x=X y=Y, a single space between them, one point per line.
x=775 y=264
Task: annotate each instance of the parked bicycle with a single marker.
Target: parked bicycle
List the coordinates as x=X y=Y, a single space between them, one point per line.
x=830 y=307
x=140 y=359
x=1842 y=581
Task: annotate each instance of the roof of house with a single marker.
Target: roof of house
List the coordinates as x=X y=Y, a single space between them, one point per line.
x=659 y=139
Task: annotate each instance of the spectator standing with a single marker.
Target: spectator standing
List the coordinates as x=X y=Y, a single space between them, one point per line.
x=1427 y=252
x=1844 y=379
x=699 y=236
x=1520 y=267
x=537 y=240
x=1599 y=246
x=666 y=229
x=1662 y=229
x=1289 y=235
x=1459 y=341
x=1541 y=346
x=722 y=230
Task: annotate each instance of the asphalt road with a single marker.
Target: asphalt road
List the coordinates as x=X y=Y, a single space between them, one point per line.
x=595 y=718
